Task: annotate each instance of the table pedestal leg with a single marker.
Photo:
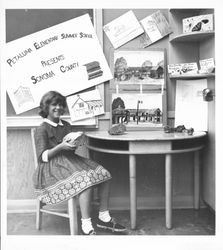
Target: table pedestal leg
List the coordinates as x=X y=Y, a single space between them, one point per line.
x=196 y=180
x=168 y=177
x=132 y=182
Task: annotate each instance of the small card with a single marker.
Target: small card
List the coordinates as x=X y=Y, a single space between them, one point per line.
x=85 y=105
x=182 y=69
x=156 y=27
x=207 y=65
x=198 y=23
x=123 y=29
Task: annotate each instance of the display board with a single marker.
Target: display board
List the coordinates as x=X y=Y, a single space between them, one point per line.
x=24 y=22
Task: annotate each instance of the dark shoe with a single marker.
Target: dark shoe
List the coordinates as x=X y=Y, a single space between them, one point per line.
x=92 y=232
x=111 y=225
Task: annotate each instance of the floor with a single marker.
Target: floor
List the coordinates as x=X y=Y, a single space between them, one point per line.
x=149 y=222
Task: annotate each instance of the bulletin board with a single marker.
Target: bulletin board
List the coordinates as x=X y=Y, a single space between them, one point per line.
x=23 y=22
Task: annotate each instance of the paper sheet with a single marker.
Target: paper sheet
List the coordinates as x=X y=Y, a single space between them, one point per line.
x=85 y=105
x=123 y=29
x=191 y=110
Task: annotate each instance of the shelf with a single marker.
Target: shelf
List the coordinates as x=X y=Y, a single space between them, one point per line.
x=194 y=76
x=193 y=36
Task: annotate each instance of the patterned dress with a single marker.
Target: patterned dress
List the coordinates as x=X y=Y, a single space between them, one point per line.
x=66 y=174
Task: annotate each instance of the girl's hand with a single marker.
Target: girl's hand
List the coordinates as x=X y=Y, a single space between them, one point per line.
x=60 y=147
x=67 y=146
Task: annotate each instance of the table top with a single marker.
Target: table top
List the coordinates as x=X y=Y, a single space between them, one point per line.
x=144 y=136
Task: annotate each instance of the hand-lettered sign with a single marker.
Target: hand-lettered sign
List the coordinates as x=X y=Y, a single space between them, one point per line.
x=66 y=57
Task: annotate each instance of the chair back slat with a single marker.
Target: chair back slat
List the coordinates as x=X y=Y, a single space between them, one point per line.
x=33 y=130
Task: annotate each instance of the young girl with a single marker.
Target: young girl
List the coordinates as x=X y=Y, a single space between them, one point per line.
x=62 y=174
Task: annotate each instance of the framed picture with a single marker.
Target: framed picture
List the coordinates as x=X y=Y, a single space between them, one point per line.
x=138 y=88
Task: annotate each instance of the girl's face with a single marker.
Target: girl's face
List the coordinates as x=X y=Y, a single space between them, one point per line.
x=55 y=111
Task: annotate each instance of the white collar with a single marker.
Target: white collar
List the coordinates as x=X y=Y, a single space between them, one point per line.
x=54 y=124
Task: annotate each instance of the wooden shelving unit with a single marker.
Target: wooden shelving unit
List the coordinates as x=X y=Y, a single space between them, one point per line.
x=194 y=76
x=187 y=48
x=192 y=37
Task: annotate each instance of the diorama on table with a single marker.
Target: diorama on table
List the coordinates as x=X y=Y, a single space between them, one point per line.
x=138 y=92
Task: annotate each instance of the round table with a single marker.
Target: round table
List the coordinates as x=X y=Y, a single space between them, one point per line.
x=134 y=143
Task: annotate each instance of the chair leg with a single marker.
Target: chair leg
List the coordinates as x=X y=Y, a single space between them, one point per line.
x=38 y=214
x=72 y=211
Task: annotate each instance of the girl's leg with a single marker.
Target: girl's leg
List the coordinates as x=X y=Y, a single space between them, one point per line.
x=103 y=193
x=85 y=202
x=105 y=221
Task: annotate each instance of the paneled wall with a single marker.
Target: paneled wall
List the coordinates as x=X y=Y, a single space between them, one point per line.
x=20 y=165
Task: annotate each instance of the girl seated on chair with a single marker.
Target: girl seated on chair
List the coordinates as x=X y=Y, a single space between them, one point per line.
x=62 y=174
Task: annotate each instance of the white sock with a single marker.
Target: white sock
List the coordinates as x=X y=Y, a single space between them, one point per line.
x=86 y=225
x=104 y=216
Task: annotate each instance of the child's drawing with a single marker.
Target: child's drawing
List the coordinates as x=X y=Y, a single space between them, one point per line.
x=85 y=105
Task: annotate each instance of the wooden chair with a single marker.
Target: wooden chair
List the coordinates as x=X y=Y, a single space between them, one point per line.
x=72 y=204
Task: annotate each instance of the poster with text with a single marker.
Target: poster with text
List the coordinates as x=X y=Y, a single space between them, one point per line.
x=66 y=57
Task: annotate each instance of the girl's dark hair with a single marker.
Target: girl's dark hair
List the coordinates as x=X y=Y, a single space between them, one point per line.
x=49 y=98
